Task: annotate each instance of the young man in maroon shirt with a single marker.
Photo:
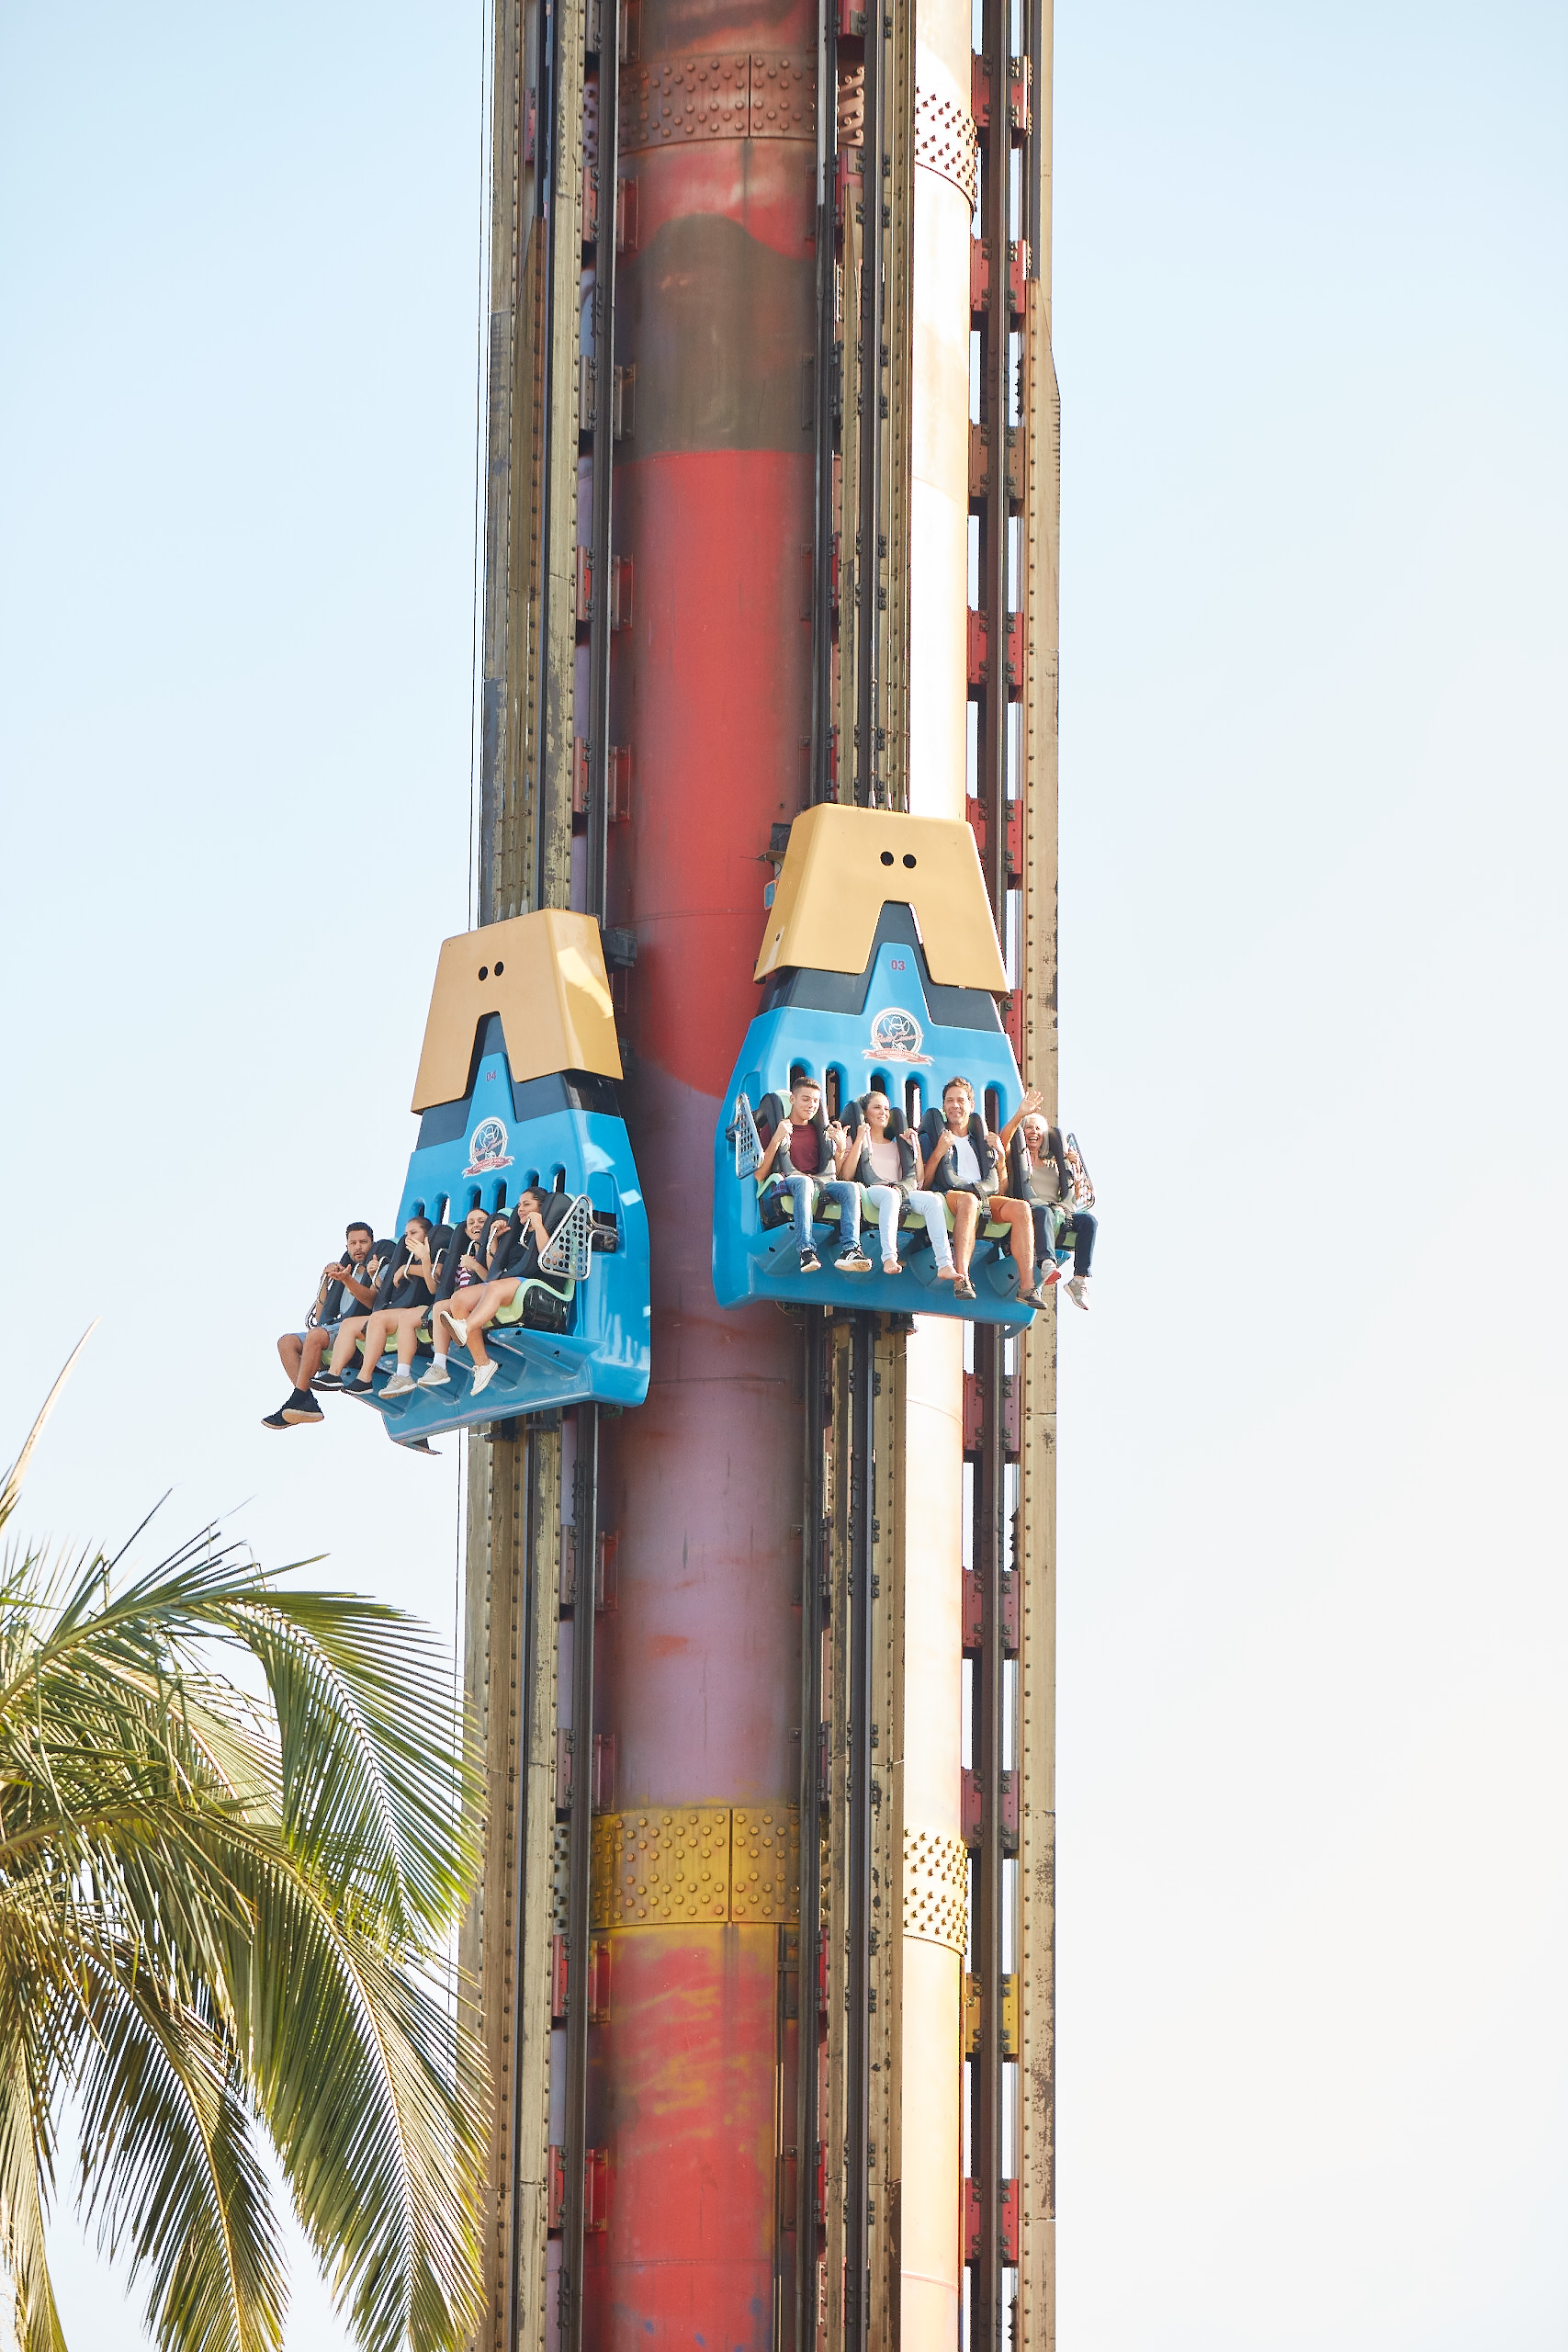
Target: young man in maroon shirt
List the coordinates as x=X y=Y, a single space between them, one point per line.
x=805 y=1150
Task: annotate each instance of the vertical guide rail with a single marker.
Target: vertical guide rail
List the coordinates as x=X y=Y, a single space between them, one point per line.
x=600 y=617
x=586 y=1546
x=513 y=1577
x=857 y=2056
x=532 y=1464
x=561 y=128
x=825 y=385
x=898 y=317
x=838 y=2099
x=1036 y=2323
x=870 y=540
x=987 y=2127
x=886 y=1764
x=809 y=2120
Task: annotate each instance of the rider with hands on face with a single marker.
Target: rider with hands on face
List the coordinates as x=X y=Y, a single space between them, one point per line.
x=512 y=1258
x=353 y=1279
x=402 y=1302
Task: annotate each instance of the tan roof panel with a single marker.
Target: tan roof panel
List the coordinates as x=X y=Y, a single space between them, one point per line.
x=545 y=975
x=843 y=865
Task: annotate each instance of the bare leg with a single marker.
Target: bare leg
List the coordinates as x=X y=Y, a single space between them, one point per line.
x=490 y=1300
x=965 y=1218
x=407 y=1326
x=343 y=1346
x=1015 y=1215
x=461 y=1307
x=376 y=1330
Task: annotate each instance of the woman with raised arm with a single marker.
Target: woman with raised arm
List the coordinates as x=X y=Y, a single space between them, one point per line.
x=967 y=1164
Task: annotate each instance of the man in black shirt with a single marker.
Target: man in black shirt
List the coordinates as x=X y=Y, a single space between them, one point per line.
x=349 y=1278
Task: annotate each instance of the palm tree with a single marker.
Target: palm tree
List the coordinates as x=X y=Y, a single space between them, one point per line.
x=224 y=1915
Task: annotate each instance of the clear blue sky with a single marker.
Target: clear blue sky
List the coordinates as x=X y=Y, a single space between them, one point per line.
x=1310 y=327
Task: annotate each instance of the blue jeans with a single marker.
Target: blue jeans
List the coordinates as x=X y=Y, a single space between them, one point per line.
x=805 y=1190
x=1054 y=1225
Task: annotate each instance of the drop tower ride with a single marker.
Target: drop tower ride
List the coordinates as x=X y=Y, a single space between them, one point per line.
x=762 y=1955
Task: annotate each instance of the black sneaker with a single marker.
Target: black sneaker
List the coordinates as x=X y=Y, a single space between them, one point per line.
x=274 y=1420
x=326 y=1383
x=353 y=1388
x=302 y=1406
x=810 y=1263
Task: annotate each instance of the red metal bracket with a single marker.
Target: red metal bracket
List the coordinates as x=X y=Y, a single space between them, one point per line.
x=557 y=1979
x=625 y=216
x=974 y=1399
x=599 y=1980
x=972 y=1810
x=603 y=1771
x=979 y=276
x=1007 y=2217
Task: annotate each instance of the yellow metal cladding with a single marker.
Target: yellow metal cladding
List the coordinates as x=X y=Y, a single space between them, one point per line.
x=936 y=1888
x=712 y=1864
x=841 y=868
x=543 y=973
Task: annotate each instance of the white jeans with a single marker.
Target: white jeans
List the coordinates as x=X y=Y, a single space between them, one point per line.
x=890 y=1204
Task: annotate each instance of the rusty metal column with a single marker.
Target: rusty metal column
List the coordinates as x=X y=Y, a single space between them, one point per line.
x=701 y=1489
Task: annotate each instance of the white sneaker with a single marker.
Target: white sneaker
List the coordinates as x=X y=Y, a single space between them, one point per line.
x=400 y=1384
x=484 y=1375
x=1077 y=1290
x=459 y=1330
x=438 y=1377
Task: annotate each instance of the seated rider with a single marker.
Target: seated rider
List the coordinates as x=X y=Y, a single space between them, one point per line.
x=464 y=1275
x=881 y=1158
x=1041 y=1176
x=402 y=1302
x=967 y=1164
x=350 y=1277
x=516 y=1261
x=807 y=1149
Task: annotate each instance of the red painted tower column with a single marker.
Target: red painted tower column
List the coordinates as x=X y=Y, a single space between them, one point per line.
x=702 y=1488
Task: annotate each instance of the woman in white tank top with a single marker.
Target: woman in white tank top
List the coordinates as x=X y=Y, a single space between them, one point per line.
x=885 y=1167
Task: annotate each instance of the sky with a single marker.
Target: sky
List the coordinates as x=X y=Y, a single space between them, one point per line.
x=1310 y=327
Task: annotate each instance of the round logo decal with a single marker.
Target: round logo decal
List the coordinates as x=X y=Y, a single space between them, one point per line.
x=486 y=1149
x=896 y=1037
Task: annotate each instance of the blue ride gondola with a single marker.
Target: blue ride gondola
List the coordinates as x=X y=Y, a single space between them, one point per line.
x=881 y=970
x=516 y=1092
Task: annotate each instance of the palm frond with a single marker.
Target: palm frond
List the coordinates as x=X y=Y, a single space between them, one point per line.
x=11 y=1485
x=169 y=2169
x=25 y=2165
x=222 y=1913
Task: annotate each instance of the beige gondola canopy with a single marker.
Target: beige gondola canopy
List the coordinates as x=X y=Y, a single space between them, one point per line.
x=545 y=975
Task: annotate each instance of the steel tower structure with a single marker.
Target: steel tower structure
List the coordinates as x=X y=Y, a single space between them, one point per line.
x=762 y=1955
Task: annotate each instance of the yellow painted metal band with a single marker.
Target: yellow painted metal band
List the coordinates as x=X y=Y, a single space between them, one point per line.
x=709 y=1865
